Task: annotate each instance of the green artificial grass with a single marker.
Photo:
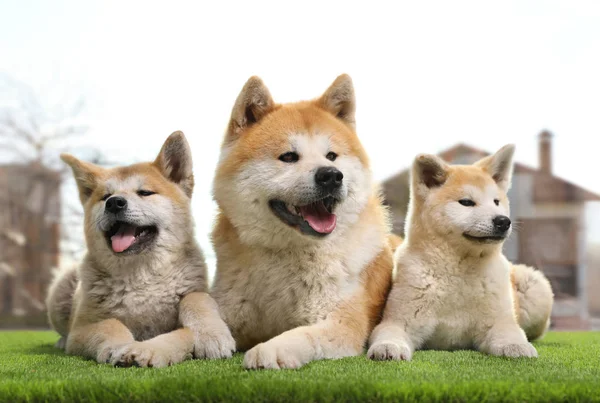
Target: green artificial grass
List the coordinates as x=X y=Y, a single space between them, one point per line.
x=568 y=370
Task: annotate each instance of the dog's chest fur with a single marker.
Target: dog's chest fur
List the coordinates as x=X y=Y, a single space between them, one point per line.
x=147 y=301
x=276 y=292
x=456 y=302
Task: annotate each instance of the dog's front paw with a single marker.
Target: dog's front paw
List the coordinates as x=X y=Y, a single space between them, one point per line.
x=388 y=350
x=106 y=352
x=213 y=343
x=147 y=354
x=61 y=343
x=272 y=355
x=514 y=350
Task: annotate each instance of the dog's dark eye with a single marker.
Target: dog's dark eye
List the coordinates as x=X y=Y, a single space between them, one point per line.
x=496 y=202
x=289 y=157
x=106 y=196
x=331 y=156
x=467 y=202
x=144 y=193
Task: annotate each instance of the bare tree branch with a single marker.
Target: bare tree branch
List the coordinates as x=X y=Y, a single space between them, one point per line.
x=32 y=137
x=17 y=131
x=13 y=149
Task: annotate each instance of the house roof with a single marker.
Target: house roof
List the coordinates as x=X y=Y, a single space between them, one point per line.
x=547 y=188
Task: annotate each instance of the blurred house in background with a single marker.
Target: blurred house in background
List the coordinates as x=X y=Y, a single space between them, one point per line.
x=29 y=240
x=551 y=218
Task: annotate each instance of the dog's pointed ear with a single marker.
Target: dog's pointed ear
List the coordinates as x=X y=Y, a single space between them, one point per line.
x=175 y=162
x=86 y=175
x=339 y=100
x=500 y=166
x=428 y=172
x=251 y=105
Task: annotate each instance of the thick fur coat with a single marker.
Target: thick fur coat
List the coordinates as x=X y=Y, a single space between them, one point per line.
x=140 y=295
x=303 y=260
x=454 y=289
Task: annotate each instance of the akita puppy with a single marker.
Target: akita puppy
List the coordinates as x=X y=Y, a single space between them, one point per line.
x=139 y=297
x=303 y=260
x=453 y=287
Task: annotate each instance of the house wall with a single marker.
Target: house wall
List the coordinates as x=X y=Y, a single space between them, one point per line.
x=523 y=209
x=591 y=258
x=29 y=237
x=592 y=283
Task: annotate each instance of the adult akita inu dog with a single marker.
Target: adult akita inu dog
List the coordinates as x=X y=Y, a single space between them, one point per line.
x=453 y=287
x=139 y=297
x=303 y=260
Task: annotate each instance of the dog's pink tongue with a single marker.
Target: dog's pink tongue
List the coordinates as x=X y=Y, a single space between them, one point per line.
x=319 y=218
x=123 y=239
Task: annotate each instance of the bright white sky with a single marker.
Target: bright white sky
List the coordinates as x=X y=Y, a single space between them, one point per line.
x=427 y=74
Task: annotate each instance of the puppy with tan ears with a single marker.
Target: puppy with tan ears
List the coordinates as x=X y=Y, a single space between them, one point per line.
x=303 y=258
x=454 y=289
x=139 y=296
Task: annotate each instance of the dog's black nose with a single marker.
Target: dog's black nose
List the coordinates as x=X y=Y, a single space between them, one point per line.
x=115 y=204
x=329 y=178
x=501 y=223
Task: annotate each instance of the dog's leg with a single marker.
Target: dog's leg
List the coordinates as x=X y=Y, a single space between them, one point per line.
x=203 y=335
x=390 y=341
x=405 y=327
x=160 y=351
x=296 y=347
x=199 y=313
x=342 y=334
x=407 y=321
x=99 y=340
x=506 y=338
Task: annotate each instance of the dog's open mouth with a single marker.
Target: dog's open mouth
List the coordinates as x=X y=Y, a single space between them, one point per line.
x=316 y=218
x=485 y=239
x=124 y=237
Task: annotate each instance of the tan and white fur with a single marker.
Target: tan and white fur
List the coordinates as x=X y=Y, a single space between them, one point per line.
x=293 y=291
x=139 y=299
x=454 y=289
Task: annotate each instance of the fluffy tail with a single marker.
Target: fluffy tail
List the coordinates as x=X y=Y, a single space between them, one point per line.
x=60 y=301
x=534 y=299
